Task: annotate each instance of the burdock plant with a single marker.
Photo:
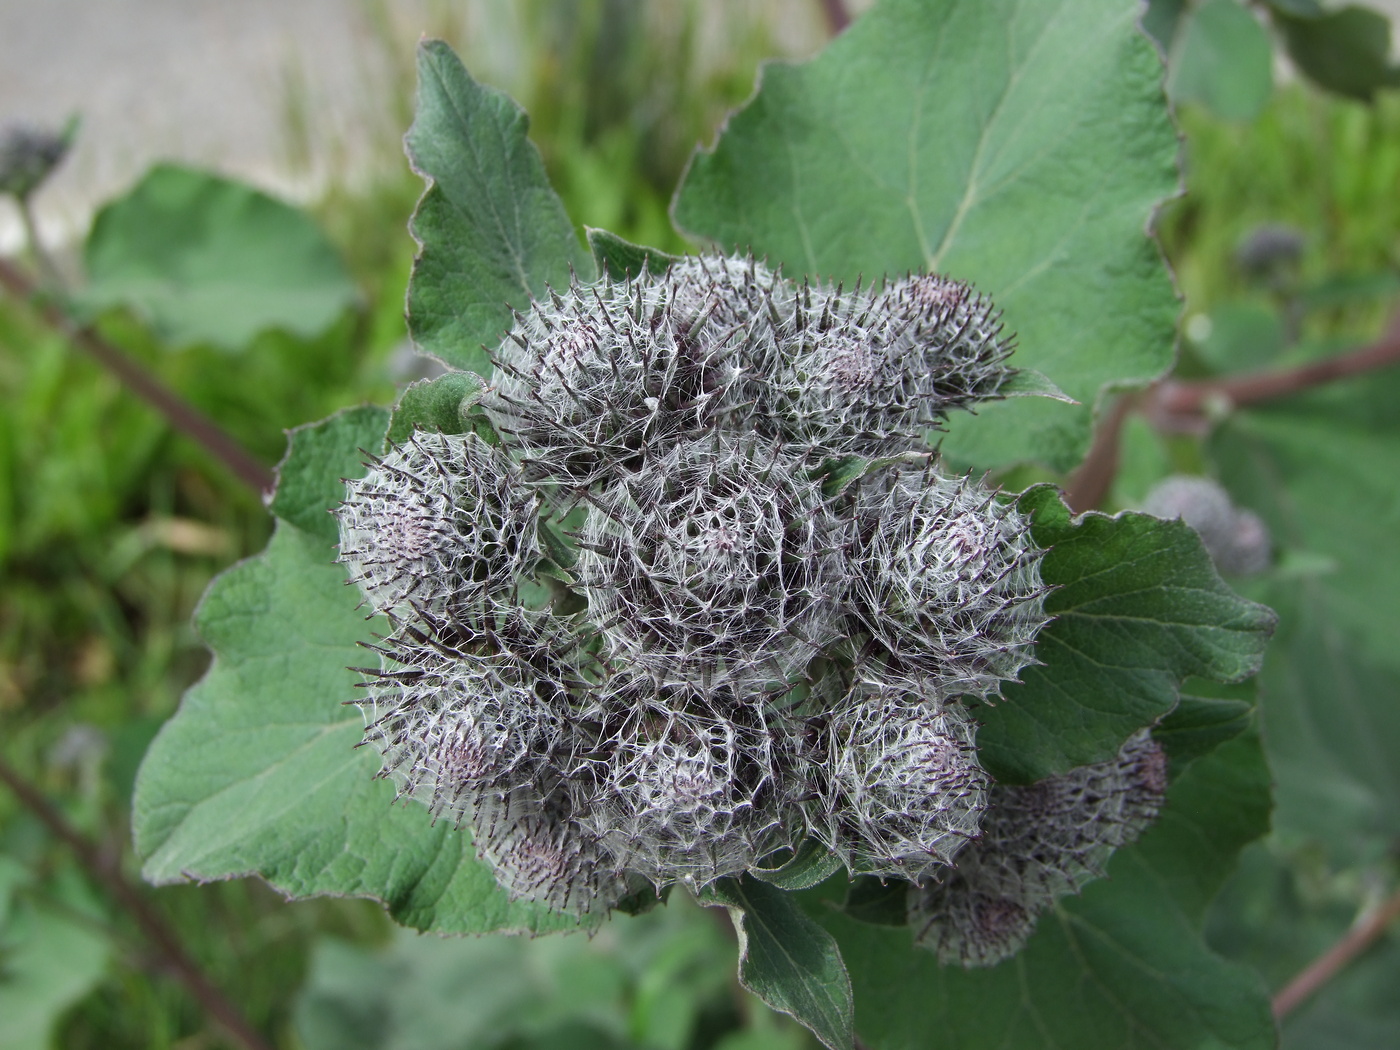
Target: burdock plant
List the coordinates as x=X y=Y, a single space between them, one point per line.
x=686 y=577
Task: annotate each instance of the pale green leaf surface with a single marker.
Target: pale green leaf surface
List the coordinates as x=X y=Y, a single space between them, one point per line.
x=205 y=259
x=258 y=773
x=1018 y=144
x=786 y=959
x=1223 y=60
x=493 y=233
x=1120 y=967
x=48 y=961
x=1138 y=608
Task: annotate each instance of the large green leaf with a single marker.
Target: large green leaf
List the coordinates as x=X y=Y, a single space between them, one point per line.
x=1332 y=727
x=205 y=259
x=1019 y=144
x=1331 y=687
x=1346 y=50
x=786 y=959
x=1138 y=608
x=1120 y=967
x=258 y=773
x=492 y=230
x=1309 y=466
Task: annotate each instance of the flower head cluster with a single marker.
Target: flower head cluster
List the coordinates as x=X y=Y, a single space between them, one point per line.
x=737 y=654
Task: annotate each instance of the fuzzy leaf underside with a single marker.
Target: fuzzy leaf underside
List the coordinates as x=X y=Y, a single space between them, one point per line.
x=786 y=959
x=258 y=773
x=1019 y=144
x=493 y=233
x=1120 y=967
x=1138 y=608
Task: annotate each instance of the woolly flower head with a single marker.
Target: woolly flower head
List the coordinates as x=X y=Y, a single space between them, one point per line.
x=900 y=789
x=871 y=371
x=1237 y=540
x=588 y=383
x=688 y=789
x=441 y=518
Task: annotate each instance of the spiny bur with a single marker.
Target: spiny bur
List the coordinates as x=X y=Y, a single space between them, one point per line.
x=439 y=519
x=901 y=791
x=688 y=790
x=946 y=579
x=716 y=563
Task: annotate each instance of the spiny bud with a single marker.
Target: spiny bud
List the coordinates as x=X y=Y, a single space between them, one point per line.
x=686 y=792
x=439 y=520
x=1237 y=540
x=947 y=579
x=871 y=371
x=1038 y=843
x=716 y=564
x=587 y=383
x=28 y=155
x=538 y=852
x=902 y=792
x=460 y=714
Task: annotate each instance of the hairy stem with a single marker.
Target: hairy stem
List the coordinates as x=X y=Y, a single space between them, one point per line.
x=1331 y=962
x=107 y=873
x=176 y=410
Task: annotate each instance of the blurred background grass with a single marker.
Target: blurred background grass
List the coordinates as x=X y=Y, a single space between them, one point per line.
x=111 y=526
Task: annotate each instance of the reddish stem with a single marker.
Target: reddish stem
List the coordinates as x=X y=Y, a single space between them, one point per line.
x=1331 y=962
x=1175 y=406
x=1088 y=486
x=178 y=412
x=1173 y=399
x=105 y=871
x=837 y=17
